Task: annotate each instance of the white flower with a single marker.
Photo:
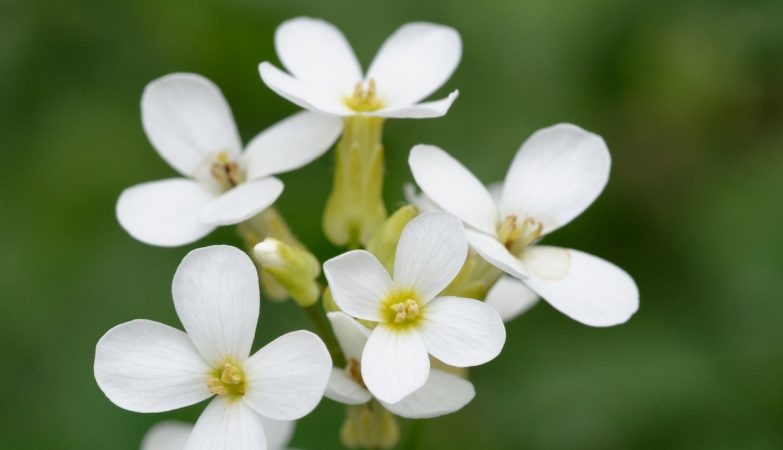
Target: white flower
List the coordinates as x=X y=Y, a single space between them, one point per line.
x=443 y=393
x=325 y=75
x=412 y=320
x=509 y=296
x=557 y=173
x=173 y=435
x=146 y=366
x=188 y=121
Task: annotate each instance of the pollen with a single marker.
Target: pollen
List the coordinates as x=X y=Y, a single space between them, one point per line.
x=364 y=98
x=405 y=311
x=517 y=236
x=228 y=380
x=226 y=172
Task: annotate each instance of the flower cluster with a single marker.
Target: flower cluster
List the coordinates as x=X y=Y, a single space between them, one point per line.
x=423 y=293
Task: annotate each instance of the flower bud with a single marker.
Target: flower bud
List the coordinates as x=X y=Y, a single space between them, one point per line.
x=293 y=268
x=369 y=426
x=383 y=243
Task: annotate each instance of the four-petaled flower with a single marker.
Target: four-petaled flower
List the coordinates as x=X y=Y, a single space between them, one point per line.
x=443 y=393
x=412 y=320
x=325 y=75
x=557 y=173
x=189 y=123
x=146 y=366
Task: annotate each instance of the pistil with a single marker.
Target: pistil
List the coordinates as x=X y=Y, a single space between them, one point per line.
x=364 y=98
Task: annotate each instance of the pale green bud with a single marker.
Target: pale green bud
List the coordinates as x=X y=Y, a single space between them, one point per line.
x=355 y=209
x=292 y=267
x=383 y=243
x=369 y=426
x=474 y=279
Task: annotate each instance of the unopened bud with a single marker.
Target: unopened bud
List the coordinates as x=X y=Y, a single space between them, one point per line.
x=293 y=268
x=384 y=242
x=369 y=426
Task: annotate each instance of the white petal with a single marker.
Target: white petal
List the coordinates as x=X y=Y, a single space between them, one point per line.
x=278 y=433
x=414 y=62
x=164 y=213
x=583 y=287
x=452 y=187
x=419 y=199
x=428 y=110
x=394 y=363
x=495 y=253
x=359 y=283
x=145 y=366
x=462 y=332
x=186 y=118
x=343 y=389
x=430 y=253
x=351 y=335
x=316 y=52
x=287 y=378
x=242 y=202
x=215 y=292
x=290 y=144
x=496 y=191
x=227 y=424
x=168 y=435
x=510 y=298
x=443 y=393
x=303 y=94
x=556 y=174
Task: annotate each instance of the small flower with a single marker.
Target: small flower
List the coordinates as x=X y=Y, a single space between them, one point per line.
x=146 y=366
x=173 y=435
x=443 y=393
x=412 y=320
x=325 y=75
x=188 y=121
x=557 y=173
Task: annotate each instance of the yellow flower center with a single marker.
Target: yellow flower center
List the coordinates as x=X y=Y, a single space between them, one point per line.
x=402 y=308
x=517 y=236
x=227 y=380
x=226 y=172
x=364 y=98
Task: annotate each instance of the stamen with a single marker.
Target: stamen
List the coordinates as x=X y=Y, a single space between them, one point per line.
x=515 y=236
x=226 y=172
x=354 y=371
x=227 y=381
x=364 y=98
x=405 y=310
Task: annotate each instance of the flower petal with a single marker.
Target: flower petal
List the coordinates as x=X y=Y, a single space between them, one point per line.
x=359 y=283
x=511 y=297
x=343 y=389
x=414 y=62
x=227 y=424
x=168 y=435
x=317 y=53
x=394 y=363
x=583 y=287
x=186 y=118
x=351 y=335
x=462 y=332
x=242 y=202
x=427 y=110
x=443 y=393
x=495 y=253
x=301 y=93
x=430 y=253
x=278 y=433
x=145 y=366
x=215 y=292
x=419 y=199
x=164 y=213
x=287 y=378
x=290 y=144
x=452 y=187
x=556 y=174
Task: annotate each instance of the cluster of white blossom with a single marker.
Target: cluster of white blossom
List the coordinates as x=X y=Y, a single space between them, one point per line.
x=422 y=294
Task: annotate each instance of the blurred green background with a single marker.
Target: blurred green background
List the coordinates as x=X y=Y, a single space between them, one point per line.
x=688 y=95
